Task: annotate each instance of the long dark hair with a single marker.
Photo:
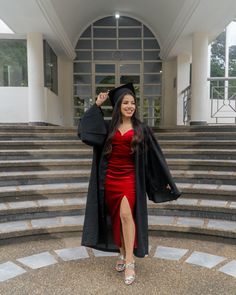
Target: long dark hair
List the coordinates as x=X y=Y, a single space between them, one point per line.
x=116 y=120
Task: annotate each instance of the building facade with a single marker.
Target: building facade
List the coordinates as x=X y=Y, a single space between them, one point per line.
x=68 y=52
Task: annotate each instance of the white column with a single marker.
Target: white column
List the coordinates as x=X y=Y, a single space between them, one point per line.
x=35 y=78
x=199 y=109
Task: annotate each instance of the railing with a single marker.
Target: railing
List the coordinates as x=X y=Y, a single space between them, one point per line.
x=223 y=98
x=186 y=104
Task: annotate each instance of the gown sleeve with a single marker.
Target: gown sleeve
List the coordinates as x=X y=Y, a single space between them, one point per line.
x=157 y=173
x=92 y=128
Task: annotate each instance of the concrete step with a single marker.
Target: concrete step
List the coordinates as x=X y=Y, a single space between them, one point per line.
x=177 y=135
x=37 y=136
x=44 y=164
x=56 y=164
x=205 y=177
x=194 y=143
x=208 y=191
x=15 y=178
x=51 y=207
x=36 y=191
x=43 y=177
x=201 y=164
x=198 y=153
x=192 y=128
x=15 y=128
x=45 y=153
x=40 y=144
x=205 y=226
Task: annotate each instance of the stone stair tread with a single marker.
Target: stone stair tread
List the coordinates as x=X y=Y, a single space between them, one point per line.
x=158 y=222
x=193 y=203
x=202 y=160
x=218 y=224
x=44 y=173
x=195 y=133
x=44 y=150
x=203 y=172
x=42 y=187
x=79 y=160
x=199 y=150
x=207 y=186
x=212 y=141
x=37 y=141
x=44 y=161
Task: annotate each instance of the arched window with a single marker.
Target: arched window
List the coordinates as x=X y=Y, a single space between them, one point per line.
x=111 y=52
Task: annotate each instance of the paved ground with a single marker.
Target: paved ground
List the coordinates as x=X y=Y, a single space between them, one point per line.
x=58 y=265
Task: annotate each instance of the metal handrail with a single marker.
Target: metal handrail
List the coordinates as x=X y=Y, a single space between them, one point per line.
x=186 y=104
x=222 y=97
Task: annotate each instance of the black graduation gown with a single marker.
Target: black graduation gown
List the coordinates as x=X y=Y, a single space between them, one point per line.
x=152 y=177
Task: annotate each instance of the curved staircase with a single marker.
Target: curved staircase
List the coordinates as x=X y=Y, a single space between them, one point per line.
x=44 y=173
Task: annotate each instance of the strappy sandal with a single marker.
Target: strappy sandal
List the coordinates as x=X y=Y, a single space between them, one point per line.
x=130 y=278
x=120 y=266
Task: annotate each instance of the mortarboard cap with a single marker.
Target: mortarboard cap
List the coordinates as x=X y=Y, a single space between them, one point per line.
x=115 y=93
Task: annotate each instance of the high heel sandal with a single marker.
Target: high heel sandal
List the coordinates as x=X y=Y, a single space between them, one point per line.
x=130 y=278
x=120 y=266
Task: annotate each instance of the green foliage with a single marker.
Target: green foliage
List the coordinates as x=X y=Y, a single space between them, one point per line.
x=218 y=56
x=14 y=53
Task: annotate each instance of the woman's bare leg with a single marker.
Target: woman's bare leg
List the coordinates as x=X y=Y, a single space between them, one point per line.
x=128 y=228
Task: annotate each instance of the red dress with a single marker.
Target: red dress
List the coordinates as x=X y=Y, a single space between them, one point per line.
x=120 y=181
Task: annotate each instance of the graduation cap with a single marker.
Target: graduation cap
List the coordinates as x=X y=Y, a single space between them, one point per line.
x=115 y=93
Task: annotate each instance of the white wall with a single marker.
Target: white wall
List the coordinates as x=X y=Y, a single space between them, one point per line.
x=13 y=104
x=53 y=108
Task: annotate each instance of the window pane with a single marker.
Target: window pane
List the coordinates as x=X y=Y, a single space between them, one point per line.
x=106 y=68
x=106 y=21
x=104 y=33
x=151 y=44
x=82 y=90
x=103 y=89
x=129 y=79
x=83 y=55
x=150 y=79
x=150 y=67
x=84 y=44
x=130 y=55
x=82 y=79
x=104 y=44
x=105 y=80
x=86 y=33
x=129 y=68
x=84 y=67
x=152 y=90
x=151 y=55
x=13 y=63
x=147 y=32
x=103 y=55
x=127 y=21
x=130 y=44
x=126 y=33
x=50 y=68
x=78 y=101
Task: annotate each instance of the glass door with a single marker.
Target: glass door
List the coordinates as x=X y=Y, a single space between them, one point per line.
x=108 y=75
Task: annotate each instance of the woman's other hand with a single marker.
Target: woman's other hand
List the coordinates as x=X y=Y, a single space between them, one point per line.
x=102 y=96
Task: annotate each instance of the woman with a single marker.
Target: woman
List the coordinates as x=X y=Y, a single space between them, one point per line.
x=127 y=164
